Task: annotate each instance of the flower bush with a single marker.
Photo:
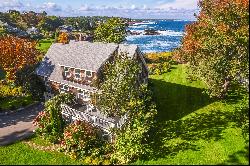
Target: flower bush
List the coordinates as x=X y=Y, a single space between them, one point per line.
x=9 y=91
x=159 y=68
x=79 y=139
x=42 y=121
x=50 y=122
x=159 y=63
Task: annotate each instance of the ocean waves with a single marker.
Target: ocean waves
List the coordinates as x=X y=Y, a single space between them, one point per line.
x=170 y=33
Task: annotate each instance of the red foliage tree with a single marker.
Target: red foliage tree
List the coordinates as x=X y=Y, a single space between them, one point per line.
x=216 y=45
x=15 y=53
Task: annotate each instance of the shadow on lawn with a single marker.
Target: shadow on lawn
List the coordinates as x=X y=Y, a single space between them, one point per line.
x=170 y=137
x=175 y=101
x=172 y=134
x=234 y=159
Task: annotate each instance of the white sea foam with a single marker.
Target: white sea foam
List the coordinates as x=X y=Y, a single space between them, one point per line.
x=171 y=33
x=143 y=23
x=161 y=33
x=156 y=45
x=181 y=20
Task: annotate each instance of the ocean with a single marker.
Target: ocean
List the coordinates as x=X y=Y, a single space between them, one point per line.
x=169 y=38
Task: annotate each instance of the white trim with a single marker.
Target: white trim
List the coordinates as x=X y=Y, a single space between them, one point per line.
x=76 y=68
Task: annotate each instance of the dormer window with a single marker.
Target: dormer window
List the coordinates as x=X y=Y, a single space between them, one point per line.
x=77 y=74
x=66 y=72
x=88 y=74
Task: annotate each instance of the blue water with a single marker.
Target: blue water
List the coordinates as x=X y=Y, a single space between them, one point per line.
x=171 y=33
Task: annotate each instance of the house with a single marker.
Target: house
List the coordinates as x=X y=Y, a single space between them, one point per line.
x=65 y=28
x=33 y=31
x=73 y=68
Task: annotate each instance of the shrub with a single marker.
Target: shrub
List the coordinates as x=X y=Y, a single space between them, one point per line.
x=42 y=121
x=52 y=124
x=159 y=68
x=79 y=139
x=159 y=63
x=100 y=155
x=9 y=91
x=158 y=57
x=30 y=82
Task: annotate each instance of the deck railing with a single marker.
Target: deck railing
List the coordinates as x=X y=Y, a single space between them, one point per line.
x=97 y=121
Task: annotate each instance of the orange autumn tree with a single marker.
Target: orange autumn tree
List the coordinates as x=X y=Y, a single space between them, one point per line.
x=63 y=38
x=15 y=53
x=216 y=46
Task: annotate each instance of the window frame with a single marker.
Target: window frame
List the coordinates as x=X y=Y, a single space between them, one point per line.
x=62 y=88
x=78 y=74
x=67 y=72
x=88 y=75
x=84 y=93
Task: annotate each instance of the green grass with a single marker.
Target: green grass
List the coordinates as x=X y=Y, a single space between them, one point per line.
x=20 y=153
x=16 y=102
x=192 y=129
x=44 y=44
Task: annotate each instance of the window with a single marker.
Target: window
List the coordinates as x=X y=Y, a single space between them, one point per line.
x=88 y=73
x=66 y=72
x=77 y=73
x=83 y=94
x=80 y=94
x=64 y=88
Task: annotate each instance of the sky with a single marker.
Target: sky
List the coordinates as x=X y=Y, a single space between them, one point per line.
x=147 y=9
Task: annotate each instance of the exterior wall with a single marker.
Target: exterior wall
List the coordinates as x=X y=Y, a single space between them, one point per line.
x=84 y=80
x=53 y=88
x=143 y=76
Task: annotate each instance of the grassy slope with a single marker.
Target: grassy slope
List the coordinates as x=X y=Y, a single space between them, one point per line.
x=20 y=153
x=205 y=135
x=44 y=44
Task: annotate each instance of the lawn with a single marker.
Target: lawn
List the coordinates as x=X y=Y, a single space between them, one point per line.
x=21 y=153
x=44 y=44
x=192 y=128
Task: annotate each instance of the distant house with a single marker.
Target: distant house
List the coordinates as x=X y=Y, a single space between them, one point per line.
x=33 y=31
x=73 y=67
x=65 y=28
x=13 y=30
x=83 y=37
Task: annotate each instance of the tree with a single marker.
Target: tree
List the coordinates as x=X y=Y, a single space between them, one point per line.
x=113 y=30
x=216 y=45
x=15 y=53
x=49 y=23
x=118 y=85
x=132 y=140
x=122 y=94
x=63 y=38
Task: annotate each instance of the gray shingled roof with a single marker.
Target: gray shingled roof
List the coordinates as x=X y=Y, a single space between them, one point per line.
x=81 y=54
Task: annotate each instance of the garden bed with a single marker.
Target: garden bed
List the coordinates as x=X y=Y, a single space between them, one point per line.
x=11 y=104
